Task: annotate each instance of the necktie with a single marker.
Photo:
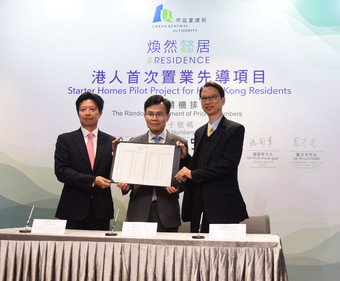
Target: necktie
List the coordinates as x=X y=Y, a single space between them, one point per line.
x=157 y=139
x=90 y=148
x=210 y=130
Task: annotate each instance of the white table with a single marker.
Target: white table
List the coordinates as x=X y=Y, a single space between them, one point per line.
x=90 y=255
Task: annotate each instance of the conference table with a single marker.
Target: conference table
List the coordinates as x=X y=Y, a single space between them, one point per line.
x=90 y=255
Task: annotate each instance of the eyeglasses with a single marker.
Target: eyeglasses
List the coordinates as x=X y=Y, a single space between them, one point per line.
x=210 y=98
x=155 y=114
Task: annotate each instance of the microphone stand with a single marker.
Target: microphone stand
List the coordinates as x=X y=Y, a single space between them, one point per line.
x=112 y=233
x=199 y=236
x=26 y=230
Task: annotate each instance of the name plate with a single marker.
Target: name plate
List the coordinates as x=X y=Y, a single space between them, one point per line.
x=227 y=231
x=139 y=229
x=40 y=226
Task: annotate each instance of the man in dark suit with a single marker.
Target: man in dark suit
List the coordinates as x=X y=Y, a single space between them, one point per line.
x=149 y=203
x=83 y=162
x=211 y=181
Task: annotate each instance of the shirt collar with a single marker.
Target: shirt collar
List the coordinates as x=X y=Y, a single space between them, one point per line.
x=216 y=123
x=86 y=132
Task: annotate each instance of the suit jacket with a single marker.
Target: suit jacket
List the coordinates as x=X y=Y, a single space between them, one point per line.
x=223 y=202
x=73 y=168
x=141 y=196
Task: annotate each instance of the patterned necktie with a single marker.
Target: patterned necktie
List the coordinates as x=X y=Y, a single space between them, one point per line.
x=157 y=139
x=90 y=148
x=210 y=130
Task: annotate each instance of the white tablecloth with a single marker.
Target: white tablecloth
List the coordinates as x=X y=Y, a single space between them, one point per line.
x=90 y=255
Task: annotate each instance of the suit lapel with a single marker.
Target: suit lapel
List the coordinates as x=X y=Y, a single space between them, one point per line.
x=218 y=134
x=145 y=138
x=80 y=144
x=170 y=138
x=199 y=137
x=100 y=148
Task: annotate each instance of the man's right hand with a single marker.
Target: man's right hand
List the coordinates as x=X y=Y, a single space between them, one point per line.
x=102 y=182
x=123 y=186
x=184 y=150
x=115 y=142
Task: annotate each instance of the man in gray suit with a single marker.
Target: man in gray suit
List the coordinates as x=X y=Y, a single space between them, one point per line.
x=153 y=203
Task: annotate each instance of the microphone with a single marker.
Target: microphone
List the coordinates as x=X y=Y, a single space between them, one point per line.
x=26 y=230
x=199 y=236
x=112 y=233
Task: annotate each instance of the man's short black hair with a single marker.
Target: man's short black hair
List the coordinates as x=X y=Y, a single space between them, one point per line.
x=89 y=96
x=214 y=85
x=157 y=99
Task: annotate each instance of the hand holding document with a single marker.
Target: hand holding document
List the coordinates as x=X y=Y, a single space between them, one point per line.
x=115 y=142
x=183 y=175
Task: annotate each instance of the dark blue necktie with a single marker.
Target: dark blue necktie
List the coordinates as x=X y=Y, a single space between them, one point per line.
x=157 y=139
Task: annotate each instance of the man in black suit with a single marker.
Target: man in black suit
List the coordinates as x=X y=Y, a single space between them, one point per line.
x=149 y=203
x=211 y=181
x=85 y=201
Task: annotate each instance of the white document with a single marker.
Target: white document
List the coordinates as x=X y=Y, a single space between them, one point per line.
x=40 y=226
x=227 y=231
x=144 y=164
x=139 y=229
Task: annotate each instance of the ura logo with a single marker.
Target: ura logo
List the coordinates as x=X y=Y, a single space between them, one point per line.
x=162 y=14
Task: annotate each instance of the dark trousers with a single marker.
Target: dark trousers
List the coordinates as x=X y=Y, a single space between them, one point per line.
x=195 y=222
x=154 y=217
x=197 y=209
x=91 y=222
